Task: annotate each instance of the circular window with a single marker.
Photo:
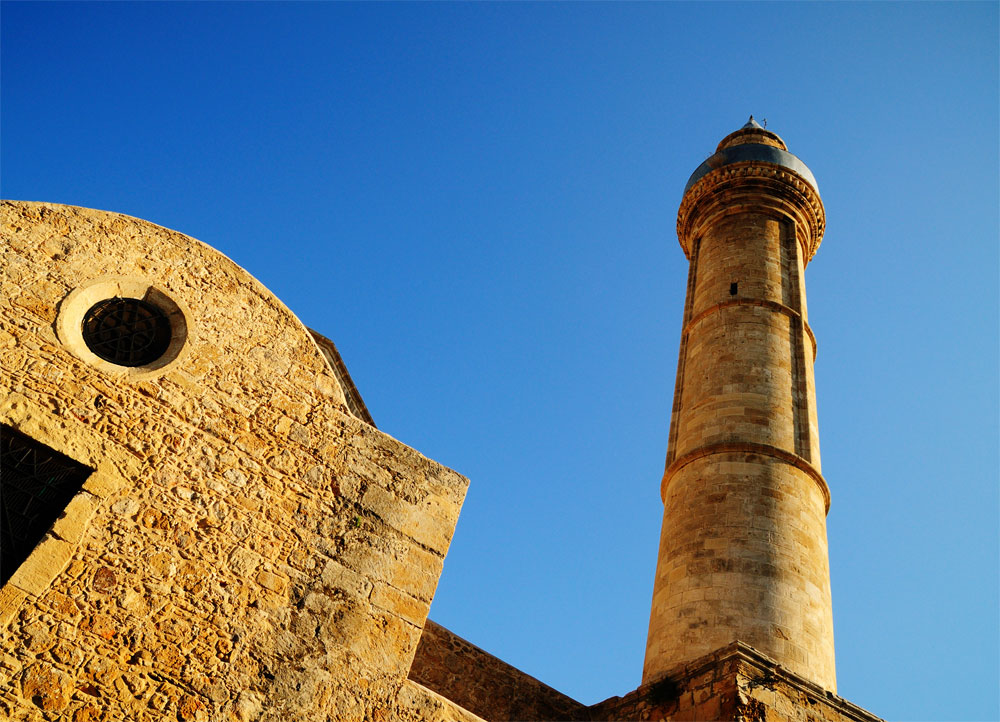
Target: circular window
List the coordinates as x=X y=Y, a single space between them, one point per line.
x=124 y=326
x=126 y=331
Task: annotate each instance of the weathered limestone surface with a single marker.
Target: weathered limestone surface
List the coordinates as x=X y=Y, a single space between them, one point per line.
x=735 y=683
x=483 y=684
x=249 y=547
x=246 y=548
x=416 y=703
x=743 y=548
x=355 y=403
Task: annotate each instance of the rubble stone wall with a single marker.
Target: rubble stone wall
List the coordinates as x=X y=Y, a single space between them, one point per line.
x=246 y=549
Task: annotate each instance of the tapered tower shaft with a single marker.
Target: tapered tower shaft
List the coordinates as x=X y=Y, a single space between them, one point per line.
x=743 y=550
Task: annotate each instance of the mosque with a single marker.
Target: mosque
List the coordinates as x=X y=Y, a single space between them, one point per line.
x=201 y=520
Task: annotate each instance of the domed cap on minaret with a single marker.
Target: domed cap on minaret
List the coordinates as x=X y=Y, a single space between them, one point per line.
x=752 y=142
x=752 y=132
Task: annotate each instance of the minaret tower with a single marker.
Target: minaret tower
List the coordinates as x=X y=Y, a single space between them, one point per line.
x=743 y=551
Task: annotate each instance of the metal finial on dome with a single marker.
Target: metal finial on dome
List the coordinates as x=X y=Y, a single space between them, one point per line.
x=752 y=124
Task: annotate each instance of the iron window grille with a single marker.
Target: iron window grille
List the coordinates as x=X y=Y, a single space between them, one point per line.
x=127 y=331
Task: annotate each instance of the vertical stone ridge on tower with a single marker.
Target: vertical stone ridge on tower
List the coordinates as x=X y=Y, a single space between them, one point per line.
x=743 y=549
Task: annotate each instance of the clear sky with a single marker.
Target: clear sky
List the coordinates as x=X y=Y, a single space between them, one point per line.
x=477 y=203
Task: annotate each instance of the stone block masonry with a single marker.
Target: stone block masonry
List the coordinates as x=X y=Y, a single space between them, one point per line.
x=483 y=684
x=735 y=683
x=743 y=549
x=246 y=548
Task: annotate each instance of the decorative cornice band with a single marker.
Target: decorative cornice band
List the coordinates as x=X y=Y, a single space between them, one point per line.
x=772 y=305
x=773 y=186
x=745 y=447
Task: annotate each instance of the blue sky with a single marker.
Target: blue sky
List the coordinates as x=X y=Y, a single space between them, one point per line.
x=477 y=203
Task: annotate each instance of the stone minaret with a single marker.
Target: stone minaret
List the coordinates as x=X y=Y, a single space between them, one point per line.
x=743 y=551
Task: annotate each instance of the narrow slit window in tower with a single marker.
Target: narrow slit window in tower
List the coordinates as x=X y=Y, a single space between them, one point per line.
x=36 y=484
x=733 y=288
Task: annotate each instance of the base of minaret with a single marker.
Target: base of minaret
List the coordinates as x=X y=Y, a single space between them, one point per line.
x=736 y=682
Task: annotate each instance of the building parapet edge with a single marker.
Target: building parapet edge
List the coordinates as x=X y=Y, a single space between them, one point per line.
x=354 y=401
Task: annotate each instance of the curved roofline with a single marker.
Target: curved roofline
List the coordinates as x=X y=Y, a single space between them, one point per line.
x=752 y=152
x=294 y=322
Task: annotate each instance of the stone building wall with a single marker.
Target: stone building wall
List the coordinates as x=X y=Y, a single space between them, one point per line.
x=245 y=549
x=735 y=683
x=481 y=683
